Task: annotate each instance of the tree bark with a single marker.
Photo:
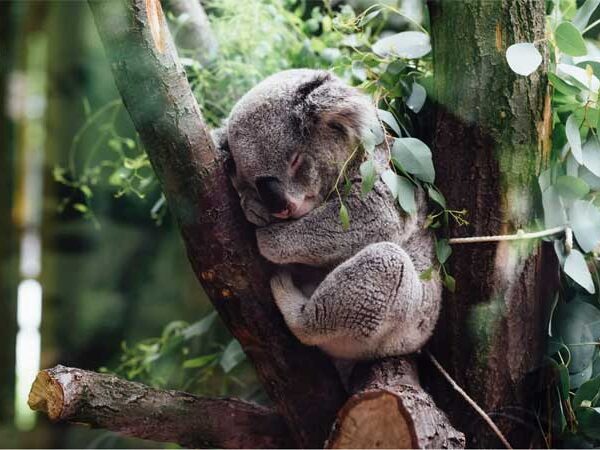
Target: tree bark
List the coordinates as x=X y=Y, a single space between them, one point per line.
x=220 y=244
x=491 y=139
x=105 y=401
x=390 y=409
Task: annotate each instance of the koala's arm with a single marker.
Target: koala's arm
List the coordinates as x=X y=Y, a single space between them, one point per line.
x=318 y=238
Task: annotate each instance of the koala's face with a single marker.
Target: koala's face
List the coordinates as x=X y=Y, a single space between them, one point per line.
x=290 y=136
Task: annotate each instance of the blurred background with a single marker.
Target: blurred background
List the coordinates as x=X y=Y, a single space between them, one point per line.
x=93 y=272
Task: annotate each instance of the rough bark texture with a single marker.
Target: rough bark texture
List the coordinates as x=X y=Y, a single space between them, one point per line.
x=301 y=381
x=489 y=142
x=194 y=36
x=390 y=409
x=105 y=401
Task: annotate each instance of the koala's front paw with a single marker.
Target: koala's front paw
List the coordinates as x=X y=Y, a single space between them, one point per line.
x=285 y=291
x=255 y=211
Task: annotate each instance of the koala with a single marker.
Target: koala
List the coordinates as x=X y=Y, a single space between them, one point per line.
x=289 y=138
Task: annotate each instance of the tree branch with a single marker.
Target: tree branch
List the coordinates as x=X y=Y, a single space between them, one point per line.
x=105 y=401
x=220 y=244
x=194 y=34
x=390 y=409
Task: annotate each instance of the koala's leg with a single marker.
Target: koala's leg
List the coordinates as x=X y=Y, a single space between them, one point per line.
x=372 y=305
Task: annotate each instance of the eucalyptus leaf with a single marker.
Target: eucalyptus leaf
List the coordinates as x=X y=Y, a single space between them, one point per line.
x=368 y=175
x=408 y=44
x=591 y=155
x=578 y=76
x=523 y=58
x=571 y=188
x=578 y=325
x=417 y=98
x=389 y=119
x=562 y=86
x=414 y=157
x=406 y=195
x=390 y=178
x=436 y=196
x=578 y=379
x=201 y=327
x=588 y=420
x=576 y=268
x=585 y=221
x=587 y=391
x=344 y=217
x=554 y=210
x=574 y=138
x=442 y=250
x=584 y=12
x=232 y=356
x=569 y=40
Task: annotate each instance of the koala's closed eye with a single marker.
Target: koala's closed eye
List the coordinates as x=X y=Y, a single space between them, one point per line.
x=296 y=162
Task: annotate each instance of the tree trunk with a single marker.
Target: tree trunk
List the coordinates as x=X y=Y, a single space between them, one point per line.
x=221 y=246
x=491 y=138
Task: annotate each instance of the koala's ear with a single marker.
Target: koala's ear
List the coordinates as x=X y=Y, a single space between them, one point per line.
x=219 y=137
x=328 y=101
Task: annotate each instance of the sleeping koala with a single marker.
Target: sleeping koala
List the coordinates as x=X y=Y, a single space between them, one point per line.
x=289 y=138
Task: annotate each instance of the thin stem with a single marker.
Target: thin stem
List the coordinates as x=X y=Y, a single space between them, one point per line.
x=508 y=237
x=470 y=401
x=590 y=26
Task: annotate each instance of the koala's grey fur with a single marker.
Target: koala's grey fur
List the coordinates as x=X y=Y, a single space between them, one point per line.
x=370 y=301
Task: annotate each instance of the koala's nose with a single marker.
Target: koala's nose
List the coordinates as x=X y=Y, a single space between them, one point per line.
x=271 y=193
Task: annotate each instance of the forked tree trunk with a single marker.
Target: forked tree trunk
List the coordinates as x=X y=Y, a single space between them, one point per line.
x=387 y=407
x=491 y=138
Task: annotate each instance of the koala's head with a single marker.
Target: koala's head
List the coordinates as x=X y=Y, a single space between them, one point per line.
x=291 y=134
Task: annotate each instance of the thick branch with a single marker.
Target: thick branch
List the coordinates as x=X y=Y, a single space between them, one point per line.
x=105 y=401
x=194 y=35
x=390 y=409
x=220 y=244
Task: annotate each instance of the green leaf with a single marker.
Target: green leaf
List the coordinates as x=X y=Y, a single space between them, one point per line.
x=390 y=178
x=442 y=250
x=436 y=196
x=359 y=70
x=389 y=119
x=408 y=44
x=584 y=12
x=80 y=207
x=450 y=283
x=569 y=40
x=523 y=58
x=344 y=217
x=406 y=195
x=588 y=420
x=574 y=138
x=414 y=157
x=86 y=191
x=561 y=86
x=369 y=175
x=201 y=327
x=232 y=356
x=591 y=155
x=587 y=391
x=571 y=188
x=427 y=274
x=200 y=361
x=417 y=98
x=554 y=210
x=579 y=378
x=578 y=76
x=585 y=221
x=368 y=17
x=576 y=268
x=577 y=323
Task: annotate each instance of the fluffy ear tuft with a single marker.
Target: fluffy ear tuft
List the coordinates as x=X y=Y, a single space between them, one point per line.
x=219 y=137
x=328 y=101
